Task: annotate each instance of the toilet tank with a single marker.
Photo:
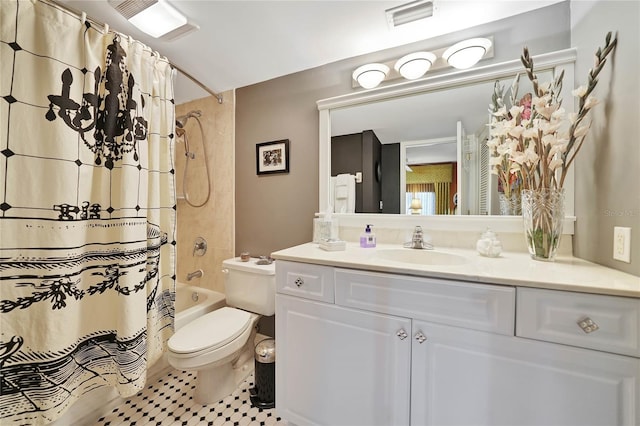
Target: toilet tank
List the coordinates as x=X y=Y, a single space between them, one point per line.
x=250 y=286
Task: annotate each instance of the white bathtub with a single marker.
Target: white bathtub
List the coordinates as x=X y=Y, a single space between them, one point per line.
x=193 y=302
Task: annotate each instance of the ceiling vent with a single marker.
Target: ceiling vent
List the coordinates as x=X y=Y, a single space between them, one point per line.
x=130 y=8
x=409 y=12
x=161 y=12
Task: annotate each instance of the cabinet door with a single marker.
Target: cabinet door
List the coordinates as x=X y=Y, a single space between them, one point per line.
x=470 y=377
x=339 y=366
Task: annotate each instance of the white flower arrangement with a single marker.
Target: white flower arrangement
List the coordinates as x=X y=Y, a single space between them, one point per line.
x=534 y=141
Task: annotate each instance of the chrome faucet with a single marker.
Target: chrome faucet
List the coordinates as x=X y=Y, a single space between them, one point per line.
x=417 y=240
x=194 y=274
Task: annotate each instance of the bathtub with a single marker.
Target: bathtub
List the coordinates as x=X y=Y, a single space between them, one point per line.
x=193 y=302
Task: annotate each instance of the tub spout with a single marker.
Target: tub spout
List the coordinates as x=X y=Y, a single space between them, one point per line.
x=195 y=274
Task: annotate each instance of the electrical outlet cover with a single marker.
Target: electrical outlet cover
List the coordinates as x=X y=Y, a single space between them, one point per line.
x=622 y=244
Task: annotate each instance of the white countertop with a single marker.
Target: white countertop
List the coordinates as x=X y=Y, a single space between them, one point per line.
x=514 y=269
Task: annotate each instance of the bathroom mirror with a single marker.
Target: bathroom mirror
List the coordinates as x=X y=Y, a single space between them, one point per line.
x=450 y=107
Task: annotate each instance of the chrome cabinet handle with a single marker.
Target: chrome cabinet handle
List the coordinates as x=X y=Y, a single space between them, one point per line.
x=587 y=325
x=421 y=338
x=298 y=282
x=402 y=334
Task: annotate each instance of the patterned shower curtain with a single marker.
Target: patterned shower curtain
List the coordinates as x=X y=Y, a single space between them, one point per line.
x=87 y=207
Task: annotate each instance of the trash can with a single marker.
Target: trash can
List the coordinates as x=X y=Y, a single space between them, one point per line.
x=263 y=395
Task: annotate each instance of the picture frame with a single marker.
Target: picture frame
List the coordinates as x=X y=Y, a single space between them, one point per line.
x=272 y=157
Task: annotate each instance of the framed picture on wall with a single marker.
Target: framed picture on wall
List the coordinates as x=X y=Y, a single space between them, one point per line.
x=272 y=157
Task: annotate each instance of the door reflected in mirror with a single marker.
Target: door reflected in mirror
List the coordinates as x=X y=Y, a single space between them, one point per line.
x=430 y=177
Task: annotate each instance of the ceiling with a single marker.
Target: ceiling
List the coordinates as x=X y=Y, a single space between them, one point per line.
x=240 y=43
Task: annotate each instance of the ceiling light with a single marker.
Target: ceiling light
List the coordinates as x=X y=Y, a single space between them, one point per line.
x=415 y=65
x=154 y=17
x=467 y=53
x=410 y=12
x=158 y=19
x=370 y=75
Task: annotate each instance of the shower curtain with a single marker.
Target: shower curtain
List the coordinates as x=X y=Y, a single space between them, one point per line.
x=87 y=205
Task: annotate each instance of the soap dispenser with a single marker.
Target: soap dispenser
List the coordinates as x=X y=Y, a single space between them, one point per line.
x=367 y=238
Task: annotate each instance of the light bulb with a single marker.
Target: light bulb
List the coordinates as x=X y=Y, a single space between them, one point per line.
x=415 y=65
x=370 y=75
x=467 y=53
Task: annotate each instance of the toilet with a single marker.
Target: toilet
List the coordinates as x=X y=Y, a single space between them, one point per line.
x=219 y=346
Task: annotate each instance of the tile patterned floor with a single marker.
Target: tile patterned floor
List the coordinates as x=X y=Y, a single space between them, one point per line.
x=169 y=401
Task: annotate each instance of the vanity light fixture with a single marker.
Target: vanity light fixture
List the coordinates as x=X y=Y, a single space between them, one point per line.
x=154 y=17
x=467 y=53
x=370 y=75
x=415 y=65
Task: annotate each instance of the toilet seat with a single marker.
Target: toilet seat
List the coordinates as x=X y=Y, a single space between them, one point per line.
x=209 y=332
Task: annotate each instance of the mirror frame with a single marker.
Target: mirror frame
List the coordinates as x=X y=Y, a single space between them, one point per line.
x=555 y=61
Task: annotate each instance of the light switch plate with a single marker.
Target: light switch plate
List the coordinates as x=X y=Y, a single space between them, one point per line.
x=622 y=244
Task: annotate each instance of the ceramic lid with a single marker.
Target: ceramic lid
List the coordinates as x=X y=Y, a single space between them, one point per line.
x=250 y=266
x=210 y=331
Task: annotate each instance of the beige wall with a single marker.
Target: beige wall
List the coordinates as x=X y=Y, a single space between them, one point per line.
x=274 y=212
x=607 y=179
x=214 y=221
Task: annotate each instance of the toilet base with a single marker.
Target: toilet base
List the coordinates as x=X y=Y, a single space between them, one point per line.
x=216 y=383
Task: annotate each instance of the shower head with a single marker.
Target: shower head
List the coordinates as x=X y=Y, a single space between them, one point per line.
x=181 y=121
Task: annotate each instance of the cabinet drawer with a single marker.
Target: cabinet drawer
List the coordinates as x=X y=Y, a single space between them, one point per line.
x=305 y=280
x=610 y=323
x=469 y=305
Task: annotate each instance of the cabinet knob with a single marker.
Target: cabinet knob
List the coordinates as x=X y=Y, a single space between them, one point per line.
x=587 y=325
x=402 y=334
x=299 y=281
x=421 y=338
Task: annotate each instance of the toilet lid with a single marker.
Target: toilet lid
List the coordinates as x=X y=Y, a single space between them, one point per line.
x=210 y=331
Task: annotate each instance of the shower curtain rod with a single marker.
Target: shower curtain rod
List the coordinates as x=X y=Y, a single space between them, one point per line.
x=83 y=16
x=196 y=81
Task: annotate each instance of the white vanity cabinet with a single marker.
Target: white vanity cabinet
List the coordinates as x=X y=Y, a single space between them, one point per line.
x=339 y=366
x=464 y=377
x=387 y=349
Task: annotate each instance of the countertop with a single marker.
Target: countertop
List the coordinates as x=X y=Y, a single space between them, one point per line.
x=513 y=269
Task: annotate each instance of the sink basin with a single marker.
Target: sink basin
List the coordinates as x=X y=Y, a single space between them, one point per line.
x=420 y=257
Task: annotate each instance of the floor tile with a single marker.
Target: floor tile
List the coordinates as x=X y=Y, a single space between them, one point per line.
x=169 y=401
